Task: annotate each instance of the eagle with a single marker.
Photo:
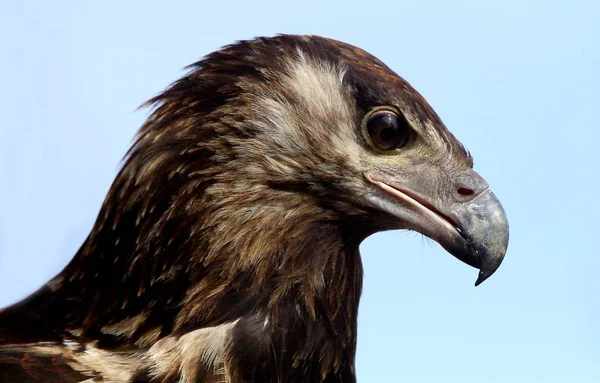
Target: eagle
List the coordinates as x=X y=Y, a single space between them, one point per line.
x=227 y=248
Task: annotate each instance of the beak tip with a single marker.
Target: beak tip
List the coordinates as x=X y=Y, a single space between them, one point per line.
x=487 y=270
x=480 y=278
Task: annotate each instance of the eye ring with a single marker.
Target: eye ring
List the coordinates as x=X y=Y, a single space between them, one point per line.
x=386 y=130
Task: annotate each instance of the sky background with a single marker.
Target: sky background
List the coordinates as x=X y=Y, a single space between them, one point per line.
x=517 y=82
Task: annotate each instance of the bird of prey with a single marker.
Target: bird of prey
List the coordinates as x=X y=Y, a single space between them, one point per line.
x=227 y=249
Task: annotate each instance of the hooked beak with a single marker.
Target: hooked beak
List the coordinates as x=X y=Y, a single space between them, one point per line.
x=475 y=231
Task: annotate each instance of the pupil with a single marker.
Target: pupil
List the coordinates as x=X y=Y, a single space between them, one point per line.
x=387 y=134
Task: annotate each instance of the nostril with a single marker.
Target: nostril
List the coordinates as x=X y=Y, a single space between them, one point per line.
x=466 y=192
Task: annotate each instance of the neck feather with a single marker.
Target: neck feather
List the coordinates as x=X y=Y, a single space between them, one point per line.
x=287 y=270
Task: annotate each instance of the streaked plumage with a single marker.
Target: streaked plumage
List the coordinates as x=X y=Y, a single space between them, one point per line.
x=227 y=247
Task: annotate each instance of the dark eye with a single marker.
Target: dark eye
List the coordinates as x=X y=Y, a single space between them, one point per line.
x=387 y=130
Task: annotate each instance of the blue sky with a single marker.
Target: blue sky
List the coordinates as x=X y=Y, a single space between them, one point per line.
x=516 y=82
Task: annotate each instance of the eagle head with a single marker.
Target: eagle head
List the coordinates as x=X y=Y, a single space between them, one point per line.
x=322 y=132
